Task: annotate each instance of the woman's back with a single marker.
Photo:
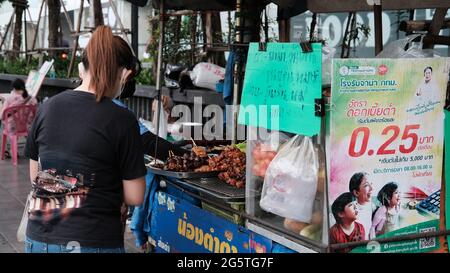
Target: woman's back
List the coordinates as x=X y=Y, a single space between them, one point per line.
x=89 y=148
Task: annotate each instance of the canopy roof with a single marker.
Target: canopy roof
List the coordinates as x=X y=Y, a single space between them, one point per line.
x=287 y=7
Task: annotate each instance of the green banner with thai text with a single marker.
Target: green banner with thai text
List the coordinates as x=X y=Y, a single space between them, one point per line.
x=280 y=87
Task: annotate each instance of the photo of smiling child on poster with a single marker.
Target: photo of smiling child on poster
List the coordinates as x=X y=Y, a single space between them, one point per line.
x=361 y=187
x=386 y=217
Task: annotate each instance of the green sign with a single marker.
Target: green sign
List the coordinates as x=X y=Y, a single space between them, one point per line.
x=280 y=87
x=447 y=170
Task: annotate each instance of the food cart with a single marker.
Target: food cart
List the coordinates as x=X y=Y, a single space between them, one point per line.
x=254 y=229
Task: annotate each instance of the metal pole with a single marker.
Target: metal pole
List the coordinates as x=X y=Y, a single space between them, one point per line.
x=75 y=42
x=236 y=84
x=159 y=68
x=33 y=44
x=266 y=26
x=25 y=30
x=435 y=26
x=113 y=7
x=229 y=27
x=45 y=24
x=193 y=25
x=7 y=30
x=29 y=15
x=135 y=28
x=67 y=16
x=91 y=16
x=313 y=27
x=378 y=15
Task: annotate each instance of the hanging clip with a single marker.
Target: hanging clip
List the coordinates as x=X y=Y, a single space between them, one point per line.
x=306 y=47
x=262 y=46
x=319 y=107
x=330 y=107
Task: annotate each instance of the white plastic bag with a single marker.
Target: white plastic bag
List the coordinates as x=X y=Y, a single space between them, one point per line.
x=265 y=149
x=290 y=184
x=163 y=120
x=397 y=49
x=207 y=75
x=148 y=124
x=327 y=55
x=22 y=230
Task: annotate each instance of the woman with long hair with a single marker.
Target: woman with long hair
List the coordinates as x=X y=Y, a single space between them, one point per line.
x=86 y=158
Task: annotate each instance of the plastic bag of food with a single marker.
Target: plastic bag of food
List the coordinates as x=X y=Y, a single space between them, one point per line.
x=207 y=75
x=264 y=151
x=290 y=184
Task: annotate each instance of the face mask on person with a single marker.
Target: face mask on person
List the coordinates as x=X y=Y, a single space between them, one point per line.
x=123 y=79
x=81 y=71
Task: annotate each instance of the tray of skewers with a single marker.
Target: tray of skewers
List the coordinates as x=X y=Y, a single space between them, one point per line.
x=228 y=166
x=189 y=165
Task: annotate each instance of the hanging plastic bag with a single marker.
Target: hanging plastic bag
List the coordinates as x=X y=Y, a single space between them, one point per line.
x=207 y=75
x=290 y=184
x=22 y=230
x=327 y=54
x=406 y=48
x=172 y=75
x=265 y=149
x=163 y=119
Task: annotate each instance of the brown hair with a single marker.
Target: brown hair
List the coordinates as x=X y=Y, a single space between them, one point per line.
x=107 y=55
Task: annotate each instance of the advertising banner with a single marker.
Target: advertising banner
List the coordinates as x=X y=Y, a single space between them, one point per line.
x=36 y=78
x=180 y=227
x=386 y=141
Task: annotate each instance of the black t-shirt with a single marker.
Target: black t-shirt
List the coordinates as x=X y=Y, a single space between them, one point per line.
x=85 y=148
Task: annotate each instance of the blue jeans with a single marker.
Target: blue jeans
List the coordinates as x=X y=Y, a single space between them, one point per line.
x=32 y=246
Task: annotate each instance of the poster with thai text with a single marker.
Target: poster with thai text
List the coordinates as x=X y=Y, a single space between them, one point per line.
x=386 y=152
x=280 y=87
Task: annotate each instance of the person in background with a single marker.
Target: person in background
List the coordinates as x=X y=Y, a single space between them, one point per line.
x=18 y=96
x=86 y=158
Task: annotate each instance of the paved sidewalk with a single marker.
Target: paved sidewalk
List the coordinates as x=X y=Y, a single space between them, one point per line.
x=14 y=188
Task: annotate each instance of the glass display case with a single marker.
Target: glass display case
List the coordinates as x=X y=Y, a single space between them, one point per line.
x=286 y=189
